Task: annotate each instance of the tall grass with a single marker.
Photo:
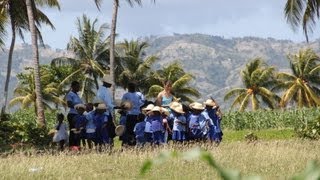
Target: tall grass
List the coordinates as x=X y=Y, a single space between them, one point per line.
x=270 y=159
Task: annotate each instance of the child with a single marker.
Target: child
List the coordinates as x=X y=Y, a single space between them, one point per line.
x=197 y=122
x=100 y=120
x=148 y=129
x=167 y=130
x=157 y=125
x=213 y=111
x=139 y=130
x=80 y=124
x=179 y=123
x=90 y=126
x=61 y=134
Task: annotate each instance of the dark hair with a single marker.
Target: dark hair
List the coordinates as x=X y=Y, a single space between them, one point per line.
x=75 y=83
x=131 y=87
x=60 y=116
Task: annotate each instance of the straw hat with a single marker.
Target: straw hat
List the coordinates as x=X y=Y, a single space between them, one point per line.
x=102 y=106
x=196 y=106
x=148 y=108
x=210 y=102
x=97 y=101
x=119 y=130
x=127 y=105
x=177 y=109
x=165 y=111
x=174 y=104
x=156 y=108
x=80 y=106
x=107 y=79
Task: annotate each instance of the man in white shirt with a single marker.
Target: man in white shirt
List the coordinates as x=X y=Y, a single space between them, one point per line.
x=104 y=94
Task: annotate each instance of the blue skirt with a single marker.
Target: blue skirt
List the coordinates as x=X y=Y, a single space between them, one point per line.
x=158 y=137
x=178 y=136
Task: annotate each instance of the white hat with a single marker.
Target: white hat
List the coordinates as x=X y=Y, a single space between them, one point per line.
x=156 y=108
x=165 y=111
x=80 y=106
x=102 y=106
x=210 y=102
x=149 y=107
x=107 y=79
x=196 y=106
x=177 y=108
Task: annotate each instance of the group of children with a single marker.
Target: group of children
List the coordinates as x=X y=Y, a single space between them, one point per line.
x=155 y=125
x=179 y=123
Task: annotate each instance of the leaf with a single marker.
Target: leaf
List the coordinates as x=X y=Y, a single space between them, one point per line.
x=311 y=172
x=146 y=167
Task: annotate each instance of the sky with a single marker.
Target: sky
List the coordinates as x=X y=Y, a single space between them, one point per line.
x=226 y=18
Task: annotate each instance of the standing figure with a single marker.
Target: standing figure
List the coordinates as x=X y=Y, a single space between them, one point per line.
x=179 y=123
x=165 y=97
x=197 y=122
x=137 y=100
x=72 y=100
x=214 y=113
x=100 y=120
x=157 y=125
x=61 y=134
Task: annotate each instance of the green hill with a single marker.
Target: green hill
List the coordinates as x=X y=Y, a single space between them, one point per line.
x=213 y=60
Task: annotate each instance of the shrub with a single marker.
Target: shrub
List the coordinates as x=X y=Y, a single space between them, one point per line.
x=309 y=129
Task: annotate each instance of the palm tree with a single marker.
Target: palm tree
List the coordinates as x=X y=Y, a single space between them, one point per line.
x=301 y=85
x=91 y=50
x=17 y=13
x=26 y=94
x=134 y=68
x=302 y=12
x=180 y=82
x=257 y=79
x=3 y=21
x=113 y=36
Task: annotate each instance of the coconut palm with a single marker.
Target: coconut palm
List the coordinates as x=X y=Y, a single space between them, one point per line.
x=135 y=67
x=3 y=21
x=17 y=14
x=113 y=35
x=258 y=79
x=301 y=85
x=302 y=12
x=91 y=52
x=25 y=93
x=181 y=87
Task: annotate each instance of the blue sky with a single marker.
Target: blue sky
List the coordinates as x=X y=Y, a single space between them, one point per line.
x=227 y=18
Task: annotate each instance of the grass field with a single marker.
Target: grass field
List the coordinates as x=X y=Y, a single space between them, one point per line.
x=272 y=159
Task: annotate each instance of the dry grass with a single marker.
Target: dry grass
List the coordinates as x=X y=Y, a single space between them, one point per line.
x=270 y=159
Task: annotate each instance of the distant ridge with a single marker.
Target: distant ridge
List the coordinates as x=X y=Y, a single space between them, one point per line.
x=215 y=61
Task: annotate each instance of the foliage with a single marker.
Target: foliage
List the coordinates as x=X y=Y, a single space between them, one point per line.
x=181 y=82
x=312 y=170
x=309 y=129
x=301 y=85
x=91 y=61
x=278 y=119
x=134 y=65
x=258 y=79
x=21 y=127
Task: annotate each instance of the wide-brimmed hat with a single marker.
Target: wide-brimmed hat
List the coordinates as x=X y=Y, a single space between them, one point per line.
x=174 y=104
x=107 y=79
x=210 y=102
x=156 y=109
x=196 y=106
x=148 y=108
x=165 y=111
x=102 y=106
x=120 y=130
x=177 y=109
x=80 y=106
x=127 y=105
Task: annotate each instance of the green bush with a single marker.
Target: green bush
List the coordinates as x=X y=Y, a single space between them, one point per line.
x=309 y=129
x=21 y=127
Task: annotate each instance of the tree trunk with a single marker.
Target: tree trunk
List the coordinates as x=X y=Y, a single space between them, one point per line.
x=112 y=45
x=35 y=57
x=6 y=86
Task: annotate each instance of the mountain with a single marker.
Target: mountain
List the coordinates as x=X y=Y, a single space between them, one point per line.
x=214 y=61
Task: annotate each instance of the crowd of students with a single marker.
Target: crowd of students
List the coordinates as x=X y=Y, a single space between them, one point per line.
x=141 y=122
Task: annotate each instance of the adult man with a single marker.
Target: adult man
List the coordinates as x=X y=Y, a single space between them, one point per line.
x=104 y=94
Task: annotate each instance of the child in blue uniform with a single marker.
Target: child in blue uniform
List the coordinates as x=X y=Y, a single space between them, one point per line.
x=80 y=123
x=90 y=126
x=179 y=122
x=100 y=120
x=139 y=131
x=214 y=113
x=157 y=125
x=197 y=122
x=148 y=129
